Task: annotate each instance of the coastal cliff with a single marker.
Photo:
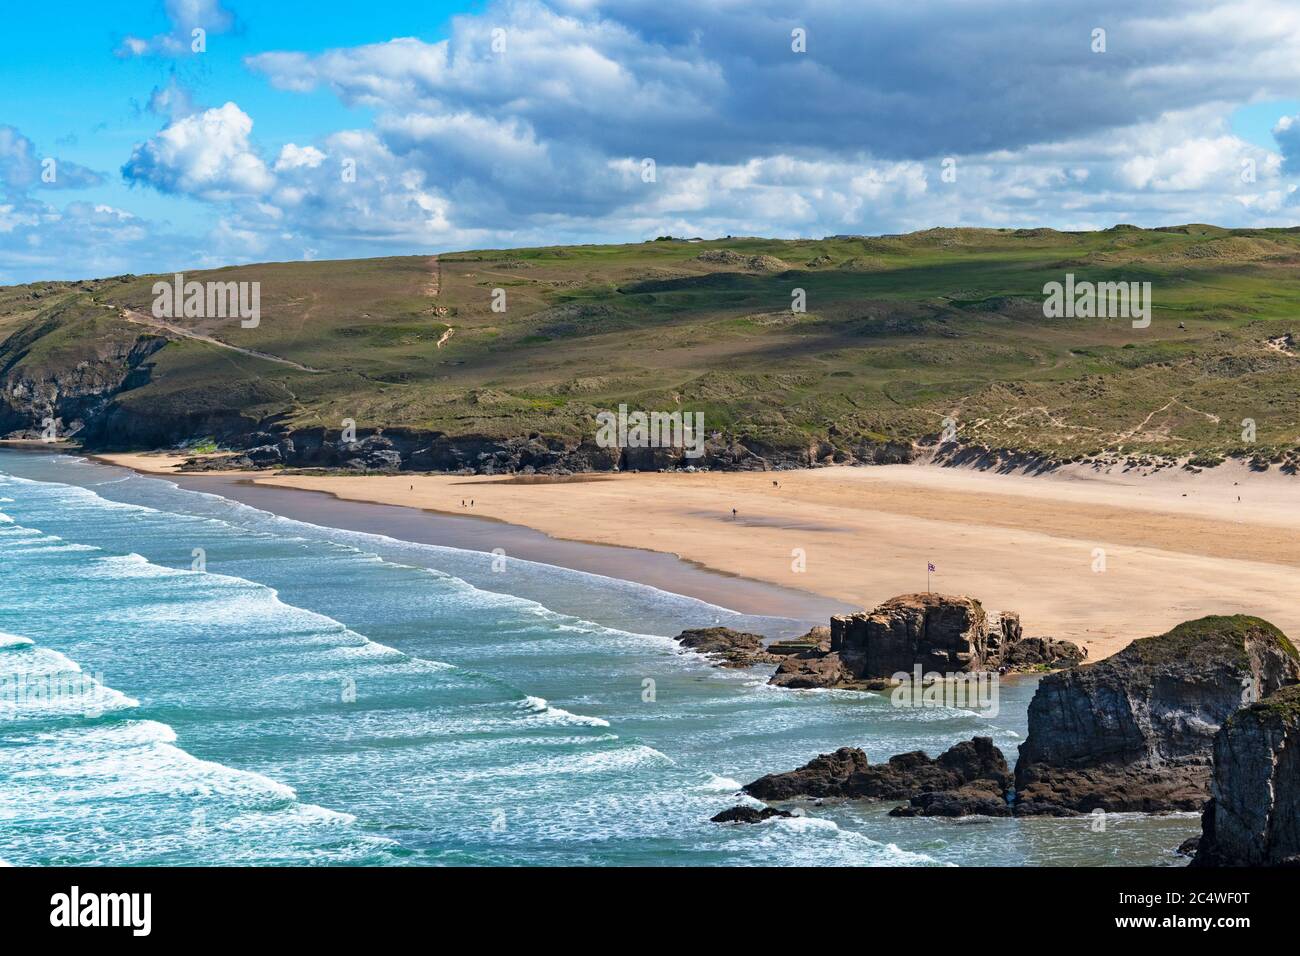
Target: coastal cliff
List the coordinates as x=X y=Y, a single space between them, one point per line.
x=69 y=366
x=1253 y=817
x=1136 y=731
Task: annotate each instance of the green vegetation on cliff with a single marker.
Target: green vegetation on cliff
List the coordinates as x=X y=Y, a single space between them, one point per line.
x=1206 y=638
x=899 y=333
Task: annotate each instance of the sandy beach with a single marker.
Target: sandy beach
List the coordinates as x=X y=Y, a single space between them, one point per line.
x=1096 y=558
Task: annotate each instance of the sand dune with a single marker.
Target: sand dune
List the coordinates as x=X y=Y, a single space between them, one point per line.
x=1172 y=546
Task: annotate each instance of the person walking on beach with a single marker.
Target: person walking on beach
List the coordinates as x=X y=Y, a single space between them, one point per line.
x=733 y=514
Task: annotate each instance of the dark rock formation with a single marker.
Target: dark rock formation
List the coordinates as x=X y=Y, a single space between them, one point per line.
x=412 y=450
x=74 y=386
x=826 y=775
x=846 y=773
x=1135 y=732
x=938 y=633
x=1042 y=652
x=748 y=815
x=818 y=639
x=813 y=669
x=1253 y=817
x=726 y=647
x=985 y=798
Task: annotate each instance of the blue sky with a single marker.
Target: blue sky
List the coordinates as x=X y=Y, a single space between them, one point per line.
x=523 y=122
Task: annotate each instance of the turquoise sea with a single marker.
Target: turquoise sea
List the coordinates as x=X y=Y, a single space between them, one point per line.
x=310 y=695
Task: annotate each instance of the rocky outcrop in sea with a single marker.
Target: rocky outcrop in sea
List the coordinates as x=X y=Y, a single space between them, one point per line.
x=1136 y=731
x=972 y=773
x=1253 y=817
x=743 y=814
x=727 y=647
x=939 y=633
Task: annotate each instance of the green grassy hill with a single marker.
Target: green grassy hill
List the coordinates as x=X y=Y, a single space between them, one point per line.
x=899 y=332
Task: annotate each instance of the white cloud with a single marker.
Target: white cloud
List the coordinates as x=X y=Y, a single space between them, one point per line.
x=296 y=157
x=207 y=155
x=542 y=139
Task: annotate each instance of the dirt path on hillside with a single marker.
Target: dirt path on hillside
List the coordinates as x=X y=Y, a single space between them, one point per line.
x=434 y=285
x=141 y=318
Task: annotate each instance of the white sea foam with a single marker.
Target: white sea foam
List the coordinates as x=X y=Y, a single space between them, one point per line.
x=127 y=760
x=8 y=641
x=719 y=784
x=808 y=840
x=36 y=682
x=540 y=711
x=618 y=760
x=300 y=814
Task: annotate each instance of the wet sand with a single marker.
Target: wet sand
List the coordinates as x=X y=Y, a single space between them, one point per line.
x=1093 y=557
x=481 y=532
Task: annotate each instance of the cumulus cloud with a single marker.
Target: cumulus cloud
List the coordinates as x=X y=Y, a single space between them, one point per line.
x=293 y=156
x=207 y=155
x=536 y=122
x=898 y=81
x=535 y=115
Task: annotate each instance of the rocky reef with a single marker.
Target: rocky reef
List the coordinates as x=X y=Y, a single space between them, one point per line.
x=1136 y=731
x=743 y=814
x=1253 y=817
x=971 y=777
x=725 y=647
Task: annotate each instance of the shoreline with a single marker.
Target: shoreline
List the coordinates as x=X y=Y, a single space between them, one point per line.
x=1089 y=555
x=482 y=533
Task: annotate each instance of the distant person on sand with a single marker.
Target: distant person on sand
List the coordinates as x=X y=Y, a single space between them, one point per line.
x=733 y=514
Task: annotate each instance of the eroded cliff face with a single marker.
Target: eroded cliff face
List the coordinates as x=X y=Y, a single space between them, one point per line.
x=1136 y=732
x=942 y=633
x=69 y=367
x=1253 y=818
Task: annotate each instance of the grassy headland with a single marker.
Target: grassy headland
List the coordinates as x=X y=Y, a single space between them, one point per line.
x=899 y=333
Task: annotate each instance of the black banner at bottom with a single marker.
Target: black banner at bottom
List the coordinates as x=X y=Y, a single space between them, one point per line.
x=334 y=906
